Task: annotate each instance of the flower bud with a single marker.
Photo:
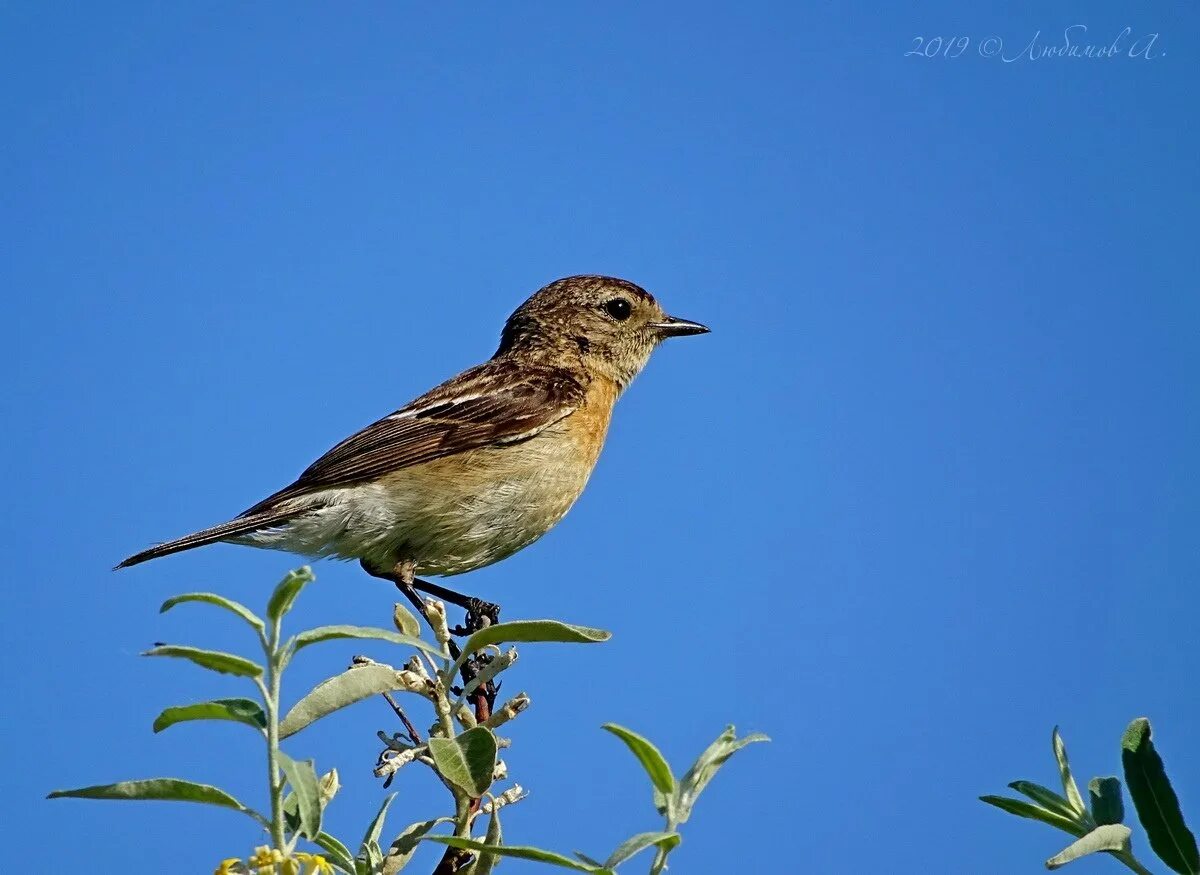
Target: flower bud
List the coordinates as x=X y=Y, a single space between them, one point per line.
x=329 y=785
x=405 y=622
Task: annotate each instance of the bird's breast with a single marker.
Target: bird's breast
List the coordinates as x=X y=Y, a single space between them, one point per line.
x=465 y=511
x=588 y=426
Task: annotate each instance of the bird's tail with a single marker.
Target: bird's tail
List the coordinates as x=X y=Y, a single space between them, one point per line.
x=242 y=525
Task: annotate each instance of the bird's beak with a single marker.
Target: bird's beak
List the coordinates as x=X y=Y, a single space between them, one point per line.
x=673 y=327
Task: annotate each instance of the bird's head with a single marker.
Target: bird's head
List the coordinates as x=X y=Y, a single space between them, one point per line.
x=610 y=324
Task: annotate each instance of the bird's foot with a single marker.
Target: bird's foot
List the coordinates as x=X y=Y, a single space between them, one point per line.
x=480 y=615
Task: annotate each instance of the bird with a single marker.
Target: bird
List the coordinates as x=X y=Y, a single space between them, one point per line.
x=482 y=465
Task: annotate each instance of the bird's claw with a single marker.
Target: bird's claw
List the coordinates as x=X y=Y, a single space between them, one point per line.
x=480 y=615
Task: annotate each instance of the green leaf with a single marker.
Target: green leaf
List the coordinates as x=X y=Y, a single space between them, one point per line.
x=335 y=852
x=285 y=593
x=405 y=621
x=214 y=660
x=663 y=803
x=526 y=631
x=519 y=852
x=371 y=859
x=376 y=826
x=302 y=776
x=638 y=843
x=328 y=633
x=1070 y=790
x=649 y=756
x=1155 y=800
x=589 y=860
x=1034 y=812
x=350 y=686
x=486 y=862
x=161 y=789
x=1048 y=799
x=467 y=760
x=291 y=812
x=238 y=710
x=336 y=863
x=1111 y=837
x=1105 y=796
x=212 y=598
x=406 y=843
x=706 y=765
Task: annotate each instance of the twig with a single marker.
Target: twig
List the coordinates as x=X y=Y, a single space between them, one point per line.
x=508 y=711
x=413 y=735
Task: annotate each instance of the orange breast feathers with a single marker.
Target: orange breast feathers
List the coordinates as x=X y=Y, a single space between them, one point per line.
x=588 y=425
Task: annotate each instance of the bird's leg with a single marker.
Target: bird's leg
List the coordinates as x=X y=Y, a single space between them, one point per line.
x=479 y=612
x=401 y=574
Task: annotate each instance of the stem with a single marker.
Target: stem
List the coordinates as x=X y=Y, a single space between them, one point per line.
x=462 y=816
x=660 y=853
x=462 y=801
x=1129 y=860
x=271 y=703
x=435 y=615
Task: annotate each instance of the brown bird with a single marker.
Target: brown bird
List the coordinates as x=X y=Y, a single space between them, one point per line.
x=479 y=467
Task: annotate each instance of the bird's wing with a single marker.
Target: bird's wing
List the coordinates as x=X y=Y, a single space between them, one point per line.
x=495 y=403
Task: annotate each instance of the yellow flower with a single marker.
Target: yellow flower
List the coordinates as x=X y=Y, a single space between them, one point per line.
x=264 y=859
x=231 y=866
x=317 y=865
x=290 y=866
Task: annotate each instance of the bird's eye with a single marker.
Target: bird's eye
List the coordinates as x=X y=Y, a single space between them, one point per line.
x=618 y=308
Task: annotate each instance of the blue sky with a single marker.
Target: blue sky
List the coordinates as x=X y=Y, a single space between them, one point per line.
x=927 y=489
